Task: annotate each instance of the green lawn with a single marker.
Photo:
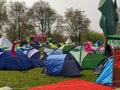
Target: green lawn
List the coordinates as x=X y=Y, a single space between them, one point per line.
x=31 y=78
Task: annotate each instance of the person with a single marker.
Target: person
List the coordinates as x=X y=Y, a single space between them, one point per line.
x=88 y=47
x=108 y=51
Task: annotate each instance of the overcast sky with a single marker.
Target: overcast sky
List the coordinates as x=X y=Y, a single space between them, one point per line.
x=89 y=6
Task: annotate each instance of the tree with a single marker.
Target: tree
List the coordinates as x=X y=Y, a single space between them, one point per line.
x=57 y=37
x=77 y=22
x=93 y=36
x=43 y=15
x=59 y=25
x=3 y=15
x=18 y=21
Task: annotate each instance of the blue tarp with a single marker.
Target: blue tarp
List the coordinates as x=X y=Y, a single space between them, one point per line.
x=19 y=62
x=105 y=76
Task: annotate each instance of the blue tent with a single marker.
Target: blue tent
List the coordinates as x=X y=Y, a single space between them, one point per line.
x=58 y=63
x=100 y=66
x=48 y=51
x=19 y=62
x=97 y=43
x=58 y=51
x=105 y=77
x=1 y=50
x=34 y=56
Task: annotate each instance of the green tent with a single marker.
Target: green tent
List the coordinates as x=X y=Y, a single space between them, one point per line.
x=67 y=47
x=78 y=53
x=91 y=61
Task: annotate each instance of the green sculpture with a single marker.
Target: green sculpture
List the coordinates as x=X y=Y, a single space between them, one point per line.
x=109 y=18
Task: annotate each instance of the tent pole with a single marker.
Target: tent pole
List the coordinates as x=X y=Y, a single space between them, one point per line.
x=80 y=53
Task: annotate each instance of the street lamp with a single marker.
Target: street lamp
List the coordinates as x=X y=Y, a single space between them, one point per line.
x=13 y=23
x=79 y=26
x=19 y=16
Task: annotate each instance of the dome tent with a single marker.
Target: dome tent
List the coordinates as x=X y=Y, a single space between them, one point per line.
x=18 y=62
x=34 y=56
x=61 y=64
x=105 y=76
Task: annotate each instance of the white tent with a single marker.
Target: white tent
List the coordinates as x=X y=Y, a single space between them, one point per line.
x=69 y=41
x=4 y=42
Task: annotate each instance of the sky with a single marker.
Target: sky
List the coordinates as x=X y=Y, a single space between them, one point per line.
x=89 y=6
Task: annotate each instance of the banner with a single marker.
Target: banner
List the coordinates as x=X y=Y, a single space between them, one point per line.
x=117 y=59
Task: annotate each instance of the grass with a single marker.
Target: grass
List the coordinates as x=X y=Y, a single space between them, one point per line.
x=31 y=78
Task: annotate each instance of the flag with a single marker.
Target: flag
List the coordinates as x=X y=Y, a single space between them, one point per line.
x=12 y=53
x=45 y=21
x=28 y=39
x=41 y=51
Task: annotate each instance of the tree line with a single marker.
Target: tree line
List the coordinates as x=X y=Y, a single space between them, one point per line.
x=20 y=21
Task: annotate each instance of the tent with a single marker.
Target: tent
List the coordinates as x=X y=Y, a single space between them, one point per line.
x=66 y=47
x=53 y=46
x=105 y=77
x=48 y=51
x=60 y=64
x=4 y=42
x=18 y=62
x=79 y=53
x=91 y=61
x=34 y=56
x=1 y=50
x=57 y=52
x=97 y=43
x=69 y=42
x=100 y=66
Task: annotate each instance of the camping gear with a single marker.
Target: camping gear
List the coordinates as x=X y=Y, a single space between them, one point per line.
x=4 y=42
x=79 y=53
x=66 y=47
x=105 y=76
x=91 y=61
x=100 y=66
x=17 y=62
x=34 y=56
x=58 y=63
x=48 y=51
x=53 y=46
x=69 y=42
x=114 y=42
